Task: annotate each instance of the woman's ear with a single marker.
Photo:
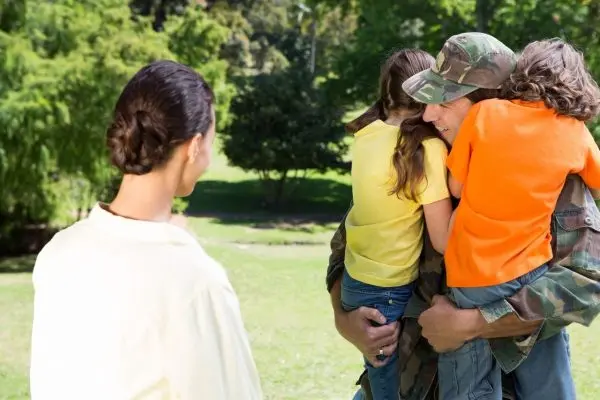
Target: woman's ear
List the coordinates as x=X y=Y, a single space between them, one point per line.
x=194 y=147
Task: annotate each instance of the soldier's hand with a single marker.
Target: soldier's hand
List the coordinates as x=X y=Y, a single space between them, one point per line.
x=446 y=327
x=357 y=327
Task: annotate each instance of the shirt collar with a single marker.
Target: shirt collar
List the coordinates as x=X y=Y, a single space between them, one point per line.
x=374 y=127
x=531 y=104
x=139 y=230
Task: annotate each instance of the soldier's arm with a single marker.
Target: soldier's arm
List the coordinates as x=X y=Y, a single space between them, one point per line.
x=509 y=325
x=557 y=299
x=538 y=312
x=447 y=327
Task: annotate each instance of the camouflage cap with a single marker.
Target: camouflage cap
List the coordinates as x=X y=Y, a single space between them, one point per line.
x=467 y=62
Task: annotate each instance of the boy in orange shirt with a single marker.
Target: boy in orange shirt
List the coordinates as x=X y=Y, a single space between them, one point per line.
x=508 y=164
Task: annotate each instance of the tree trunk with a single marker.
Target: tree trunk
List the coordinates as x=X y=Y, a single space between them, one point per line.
x=279 y=190
x=484 y=12
x=313 y=46
x=481 y=13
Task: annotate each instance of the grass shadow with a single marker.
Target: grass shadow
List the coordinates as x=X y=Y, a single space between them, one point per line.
x=242 y=202
x=24 y=240
x=17 y=264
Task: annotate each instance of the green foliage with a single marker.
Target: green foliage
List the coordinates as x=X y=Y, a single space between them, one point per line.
x=255 y=26
x=179 y=206
x=283 y=125
x=60 y=75
x=385 y=25
x=382 y=27
x=159 y=10
x=12 y=14
x=185 y=32
x=63 y=70
x=282 y=71
x=283 y=122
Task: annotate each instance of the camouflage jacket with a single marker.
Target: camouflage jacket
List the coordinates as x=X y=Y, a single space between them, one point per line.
x=568 y=292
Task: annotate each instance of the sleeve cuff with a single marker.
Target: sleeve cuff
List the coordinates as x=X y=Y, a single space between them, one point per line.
x=525 y=344
x=494 y=311
x=433 y=199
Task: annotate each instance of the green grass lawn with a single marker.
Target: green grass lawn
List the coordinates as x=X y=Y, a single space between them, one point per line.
x=278 y=273
x=277 y=265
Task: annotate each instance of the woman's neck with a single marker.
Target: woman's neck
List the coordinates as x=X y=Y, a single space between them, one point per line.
x=144 y=197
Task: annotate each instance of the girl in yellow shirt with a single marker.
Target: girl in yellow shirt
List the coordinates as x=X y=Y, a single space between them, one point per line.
x=398 y=183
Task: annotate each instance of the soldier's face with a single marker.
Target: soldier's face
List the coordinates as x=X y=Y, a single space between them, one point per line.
x=448 y=117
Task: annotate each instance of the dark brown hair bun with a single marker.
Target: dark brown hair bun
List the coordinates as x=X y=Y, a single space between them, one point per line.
x=162 y=106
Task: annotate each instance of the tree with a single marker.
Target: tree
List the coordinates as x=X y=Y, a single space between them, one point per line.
x=381 y=28
x=12 y=14
x=283 y=127
x=385 y=25
x=185 y=34
x=61 y=72
x=158 y=10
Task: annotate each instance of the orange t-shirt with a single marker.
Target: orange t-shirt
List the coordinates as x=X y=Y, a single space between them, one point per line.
x=513 y=158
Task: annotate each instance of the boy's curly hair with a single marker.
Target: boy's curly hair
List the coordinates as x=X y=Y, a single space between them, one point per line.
x=554 y=72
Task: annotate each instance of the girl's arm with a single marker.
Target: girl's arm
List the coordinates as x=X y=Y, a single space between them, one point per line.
x=435 y=198
x=439 y=219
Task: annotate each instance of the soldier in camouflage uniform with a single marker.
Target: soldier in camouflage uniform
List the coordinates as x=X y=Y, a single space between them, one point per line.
x=569 y=292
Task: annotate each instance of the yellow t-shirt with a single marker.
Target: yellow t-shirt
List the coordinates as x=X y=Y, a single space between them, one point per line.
x=384 y=234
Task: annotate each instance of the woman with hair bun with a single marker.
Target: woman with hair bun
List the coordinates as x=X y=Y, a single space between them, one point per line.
x=128 y=305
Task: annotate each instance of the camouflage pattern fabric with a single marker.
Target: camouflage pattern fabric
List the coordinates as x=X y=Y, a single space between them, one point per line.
x=467 y=62
x=568 y=292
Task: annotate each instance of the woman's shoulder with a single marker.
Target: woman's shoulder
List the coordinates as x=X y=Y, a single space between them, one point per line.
x=171 y=254
x=191 y=269
x=64 y=239
x=200 y=266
